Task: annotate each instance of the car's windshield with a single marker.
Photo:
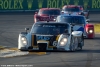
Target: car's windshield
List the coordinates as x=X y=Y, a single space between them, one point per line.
x=49 y=12
x=72 y=9
x=71 y=19
x=49 y=29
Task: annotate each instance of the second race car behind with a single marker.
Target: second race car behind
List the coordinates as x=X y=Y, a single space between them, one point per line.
x=80 y=24
x=46 y=14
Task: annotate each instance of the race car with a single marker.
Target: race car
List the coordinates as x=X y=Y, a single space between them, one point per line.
x=75 y=9
x=80 y=24
x=50 y=37
x=46 y=14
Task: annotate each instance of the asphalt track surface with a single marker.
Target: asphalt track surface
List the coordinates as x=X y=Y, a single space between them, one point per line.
x=12 y=25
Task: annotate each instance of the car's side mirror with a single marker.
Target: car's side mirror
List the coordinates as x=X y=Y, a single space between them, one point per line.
x=62 y=12
x=26 y=29
x=72 y=24
x=87 y=20
x=66 y=31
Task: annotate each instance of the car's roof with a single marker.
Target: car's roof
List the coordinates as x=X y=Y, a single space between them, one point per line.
x=50 y=9
x=55 y=23
x=71 y=15
x=69 y=6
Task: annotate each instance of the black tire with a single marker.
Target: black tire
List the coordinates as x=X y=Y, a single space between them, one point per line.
x=71 y=49
x=80 y=46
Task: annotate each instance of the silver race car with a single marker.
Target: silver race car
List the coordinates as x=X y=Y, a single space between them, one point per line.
x=51 y=37
x=80 y=24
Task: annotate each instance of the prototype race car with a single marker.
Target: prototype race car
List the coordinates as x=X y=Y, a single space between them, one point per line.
x=46 y=14
x=80 y=24
x=75 y=9
x=51 y=37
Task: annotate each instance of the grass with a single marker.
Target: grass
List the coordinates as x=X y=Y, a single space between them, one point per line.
x=97 y=28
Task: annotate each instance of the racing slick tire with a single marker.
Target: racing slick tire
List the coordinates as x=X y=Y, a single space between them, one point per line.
x=72 y=49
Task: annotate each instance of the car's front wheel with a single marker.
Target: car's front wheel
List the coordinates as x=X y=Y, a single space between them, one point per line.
x=81 y=43
x=73 y=44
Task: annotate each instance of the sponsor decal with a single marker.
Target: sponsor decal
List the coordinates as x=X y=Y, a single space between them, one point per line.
x=43 y=38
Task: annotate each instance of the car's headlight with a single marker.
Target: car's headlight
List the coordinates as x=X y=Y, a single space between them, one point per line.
x=79 y=13
x=63 y=42
x=65 y=39
x=24 y=40
x=54 y=18
x=90 y=31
